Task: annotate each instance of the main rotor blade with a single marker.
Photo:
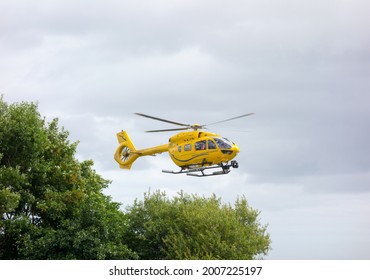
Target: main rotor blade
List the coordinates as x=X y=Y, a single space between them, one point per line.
x=162 y=120
x=171 y=129
x=238 y=117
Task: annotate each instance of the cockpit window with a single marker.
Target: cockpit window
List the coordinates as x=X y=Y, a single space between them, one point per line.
x=200 y=145
x=211 y=145
x=223 y=143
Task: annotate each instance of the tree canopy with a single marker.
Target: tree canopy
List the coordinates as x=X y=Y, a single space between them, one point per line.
x=52 y=206
x=193 y=227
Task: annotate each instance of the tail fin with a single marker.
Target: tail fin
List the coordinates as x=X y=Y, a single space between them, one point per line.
x=125 y=154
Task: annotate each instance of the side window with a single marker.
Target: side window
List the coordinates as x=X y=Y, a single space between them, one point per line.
x=179 y=148
x=211 y=145
x=187 y=147
x=200 y=145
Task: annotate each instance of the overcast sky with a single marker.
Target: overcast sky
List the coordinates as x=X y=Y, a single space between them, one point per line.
x=303 y=68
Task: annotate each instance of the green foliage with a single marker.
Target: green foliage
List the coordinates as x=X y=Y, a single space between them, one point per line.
x=51 y=205
x=192 y=227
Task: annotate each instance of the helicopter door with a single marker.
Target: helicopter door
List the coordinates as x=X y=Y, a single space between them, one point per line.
x=188 y=150
x=185 y=154
x=200 y=145
x=211 y=145
x=187 y=147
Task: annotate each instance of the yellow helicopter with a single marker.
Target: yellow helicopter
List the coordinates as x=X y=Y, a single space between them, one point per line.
x=193 y=151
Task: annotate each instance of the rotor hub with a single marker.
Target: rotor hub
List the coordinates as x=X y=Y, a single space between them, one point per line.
x=197 y=126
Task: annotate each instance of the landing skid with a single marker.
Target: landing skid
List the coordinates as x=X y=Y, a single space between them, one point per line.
x=199 y=171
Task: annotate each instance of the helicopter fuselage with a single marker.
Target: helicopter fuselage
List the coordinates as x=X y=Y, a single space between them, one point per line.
x=193 y=151
x=187 y=150
x=198 y=148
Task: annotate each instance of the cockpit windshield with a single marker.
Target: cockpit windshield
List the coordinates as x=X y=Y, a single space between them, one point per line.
x=223 y=143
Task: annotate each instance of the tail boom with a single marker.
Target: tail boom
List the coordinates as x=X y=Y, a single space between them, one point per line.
x=126 y=152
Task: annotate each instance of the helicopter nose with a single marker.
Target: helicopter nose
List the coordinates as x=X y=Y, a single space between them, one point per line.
x=235 y=149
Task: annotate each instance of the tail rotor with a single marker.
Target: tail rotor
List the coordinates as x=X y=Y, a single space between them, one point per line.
x=125 y=154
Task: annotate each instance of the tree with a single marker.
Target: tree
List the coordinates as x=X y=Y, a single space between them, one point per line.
x=52 y=205
x=193 y=227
